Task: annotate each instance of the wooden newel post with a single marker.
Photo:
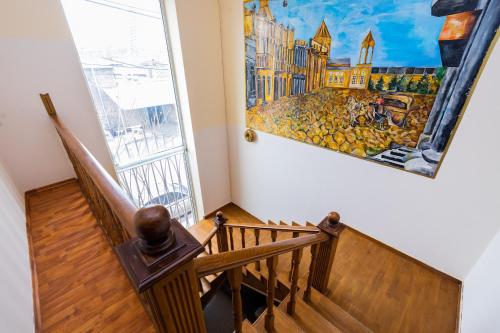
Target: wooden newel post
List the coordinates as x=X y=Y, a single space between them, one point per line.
x=159 y=263
x=332 y=226
x=222 y=241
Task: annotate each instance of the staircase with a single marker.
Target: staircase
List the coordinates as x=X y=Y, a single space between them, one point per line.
x=315 y=313
x=177 y=272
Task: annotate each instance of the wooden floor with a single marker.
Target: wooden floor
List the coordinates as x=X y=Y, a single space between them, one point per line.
x=385 y=290
x=81 y=285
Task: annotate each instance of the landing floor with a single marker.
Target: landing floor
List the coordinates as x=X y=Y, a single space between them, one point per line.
x=82 y=287
x=382 y=288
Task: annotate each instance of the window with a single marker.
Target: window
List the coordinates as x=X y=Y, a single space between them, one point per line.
x=362 y=78
x=125 y=60
x=354 y=78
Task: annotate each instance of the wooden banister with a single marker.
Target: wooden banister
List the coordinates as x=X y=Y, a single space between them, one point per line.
x=227 y=260
x=116 y=198
x=161 y=257
x=284 y=228
x=209 y=237
x=155 y=251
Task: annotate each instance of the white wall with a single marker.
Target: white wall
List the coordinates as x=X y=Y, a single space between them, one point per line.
x=16 y=301
x=37 y=55
x=196 y=39
x=481 y=296
x=445 y=222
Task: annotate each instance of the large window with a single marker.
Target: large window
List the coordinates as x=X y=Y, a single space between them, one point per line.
x=125 y=59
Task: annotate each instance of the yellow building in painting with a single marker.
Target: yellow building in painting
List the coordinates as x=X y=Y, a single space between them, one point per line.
x=317 y=56
x=274 y=45
x=340 y=74
x=278 y=65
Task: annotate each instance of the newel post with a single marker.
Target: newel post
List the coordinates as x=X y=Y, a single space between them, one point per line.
x=159 y=263
x=332 y=226
x=222 y=242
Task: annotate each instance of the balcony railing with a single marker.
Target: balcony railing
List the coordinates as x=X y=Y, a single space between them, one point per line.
x=161 y=179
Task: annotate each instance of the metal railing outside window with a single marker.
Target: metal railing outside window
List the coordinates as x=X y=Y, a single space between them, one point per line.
x=125 y=58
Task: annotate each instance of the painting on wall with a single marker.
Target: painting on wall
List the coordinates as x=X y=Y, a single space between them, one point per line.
x=382 y=80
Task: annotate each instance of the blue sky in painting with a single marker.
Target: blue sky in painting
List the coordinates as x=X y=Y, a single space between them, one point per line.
x=405 y=32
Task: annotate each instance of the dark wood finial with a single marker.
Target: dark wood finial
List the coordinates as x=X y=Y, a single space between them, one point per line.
x=219 y=218
x=152 y=225
x=333 y=218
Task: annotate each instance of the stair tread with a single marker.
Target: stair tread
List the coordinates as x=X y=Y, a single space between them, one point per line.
x=308 y=319
x=335 y=314
x=282 y=323
x=248 y=328
x=201 y=229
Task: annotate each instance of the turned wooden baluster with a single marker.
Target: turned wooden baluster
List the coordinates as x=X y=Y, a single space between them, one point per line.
x=312 y=267
x=290 y=274
x=257 y=242
x=200 y=286
x=231 y=240
x=271 y=283
x=274 y=235
x=296 y=256
x=210 y=247
x=234 y=277
x=242 y=231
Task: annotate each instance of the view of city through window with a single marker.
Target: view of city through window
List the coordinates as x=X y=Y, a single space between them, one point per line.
x=124 y=55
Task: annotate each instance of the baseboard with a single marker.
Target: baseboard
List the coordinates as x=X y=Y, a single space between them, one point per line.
x=212 y=214
x=50 y=186
x=34 y=274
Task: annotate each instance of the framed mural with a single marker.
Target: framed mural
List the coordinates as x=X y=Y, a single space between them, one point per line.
x=383 y=80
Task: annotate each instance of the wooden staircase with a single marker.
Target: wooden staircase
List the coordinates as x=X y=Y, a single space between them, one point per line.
x=176 y=273
x=316 y=314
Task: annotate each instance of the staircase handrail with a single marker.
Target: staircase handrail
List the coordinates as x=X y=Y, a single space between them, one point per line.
x=220 y=262
x=277 y=227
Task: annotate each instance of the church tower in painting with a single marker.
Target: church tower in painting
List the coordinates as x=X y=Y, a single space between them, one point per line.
x=318 y=53
x=360 y=75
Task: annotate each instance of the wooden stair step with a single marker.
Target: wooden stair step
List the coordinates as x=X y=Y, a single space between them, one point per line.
x=282 y=323
x=335 y=314
x=201 y=229
x=307 y=318
x=248 y=328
